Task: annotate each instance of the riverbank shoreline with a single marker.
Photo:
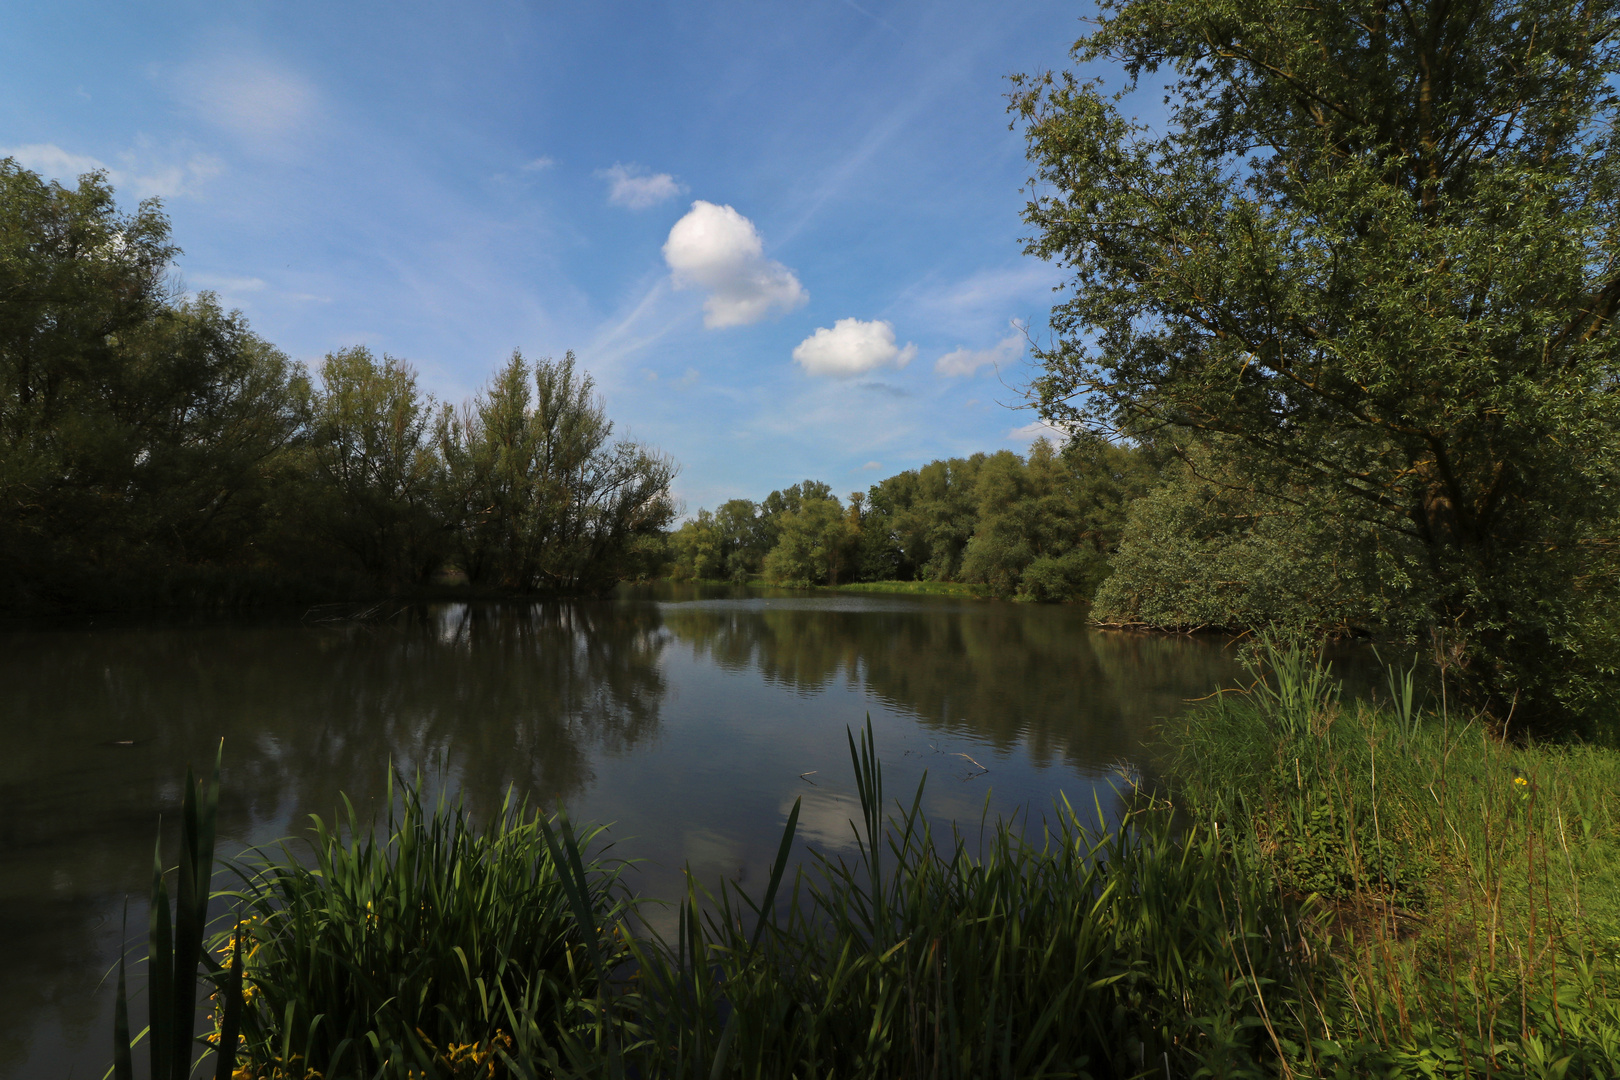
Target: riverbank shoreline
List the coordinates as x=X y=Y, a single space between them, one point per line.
x=1322 y=888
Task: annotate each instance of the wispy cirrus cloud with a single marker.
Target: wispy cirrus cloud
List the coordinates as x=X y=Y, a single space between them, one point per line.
x=1038 y=429
x=142 y=171
x=252 y=98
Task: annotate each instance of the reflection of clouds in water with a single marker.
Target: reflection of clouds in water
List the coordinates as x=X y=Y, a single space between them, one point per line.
x=826 y=819
x=711 y=856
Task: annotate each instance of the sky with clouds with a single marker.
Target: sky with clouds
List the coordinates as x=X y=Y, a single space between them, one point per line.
x=783 y=238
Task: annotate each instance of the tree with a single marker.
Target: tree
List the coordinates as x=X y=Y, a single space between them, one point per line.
x=698 y=548
x=370 y=436
x=1197 y=553
x=546 y=501
x=135 y=425
x=1046 y=526
x=816 y=543
x=1371 y=258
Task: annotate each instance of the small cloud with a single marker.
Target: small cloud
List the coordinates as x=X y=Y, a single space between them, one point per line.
x=652 y=376
x=539 y=164
x=882 y=388
x=136 y=174
x=870 y=465
x=716 y=248
x=690 y=377
x=852 y=347
x=227 y=284
x=254 y=99
x=1038 y=429
x=632 y=186
x=51 y=160
x=964 y=363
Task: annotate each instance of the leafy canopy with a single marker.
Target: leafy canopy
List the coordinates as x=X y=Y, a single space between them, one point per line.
x=1370 y=254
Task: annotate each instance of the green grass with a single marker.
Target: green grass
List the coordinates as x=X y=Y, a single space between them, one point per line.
x=914 y=588
x=434 y=948
x=1466 y=890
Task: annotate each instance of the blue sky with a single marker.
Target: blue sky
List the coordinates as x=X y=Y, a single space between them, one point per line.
x=783 y=238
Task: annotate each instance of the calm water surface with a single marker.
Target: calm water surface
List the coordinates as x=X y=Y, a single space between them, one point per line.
x=689 y=718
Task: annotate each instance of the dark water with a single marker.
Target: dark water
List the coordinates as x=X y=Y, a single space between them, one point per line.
x=690 y=719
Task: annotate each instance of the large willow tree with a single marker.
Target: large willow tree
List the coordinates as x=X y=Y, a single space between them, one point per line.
x=1368 y=253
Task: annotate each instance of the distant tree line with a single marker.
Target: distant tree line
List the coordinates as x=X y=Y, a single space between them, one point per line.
x=1038 y=527
x=154 y=449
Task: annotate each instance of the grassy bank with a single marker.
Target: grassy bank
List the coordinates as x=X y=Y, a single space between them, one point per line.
x=913 y=588
x=1323 y=890
x=899 y=588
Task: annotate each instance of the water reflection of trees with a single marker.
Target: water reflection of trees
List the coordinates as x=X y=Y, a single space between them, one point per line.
x=1006 y=674
x=501 y=694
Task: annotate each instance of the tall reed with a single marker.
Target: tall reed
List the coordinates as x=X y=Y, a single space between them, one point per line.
x=1083 y=952
x=176 y=962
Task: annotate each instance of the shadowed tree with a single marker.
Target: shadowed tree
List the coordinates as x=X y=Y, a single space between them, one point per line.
x=135 y=425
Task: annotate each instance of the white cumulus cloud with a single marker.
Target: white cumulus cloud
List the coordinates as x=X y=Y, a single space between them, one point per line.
x=961 y=363
x=852 y=347
x=632 y=186
x=717 y=249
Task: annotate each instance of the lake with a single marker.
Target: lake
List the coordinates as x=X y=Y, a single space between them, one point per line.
x=690 y=718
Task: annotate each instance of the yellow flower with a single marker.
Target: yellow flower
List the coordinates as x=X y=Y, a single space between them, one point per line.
x=1521 y=781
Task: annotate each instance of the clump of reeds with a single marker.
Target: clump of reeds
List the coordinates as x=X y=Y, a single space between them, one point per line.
x=429 y=948
x=425 y=948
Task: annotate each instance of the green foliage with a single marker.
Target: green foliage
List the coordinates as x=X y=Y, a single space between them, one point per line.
x=1372 y=251
x=730 y=543
x=1038 y=529
x=1339 y=890
x=1195 y=553
x=135 y=428
x=374 y=461
x=1467 y=891
x=815 y=542
x=428 y=947
x=1083 y=952
x=1045 y=526
x=153 y=450
x=433 y=948
x=175 y=953
x=544 y=500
